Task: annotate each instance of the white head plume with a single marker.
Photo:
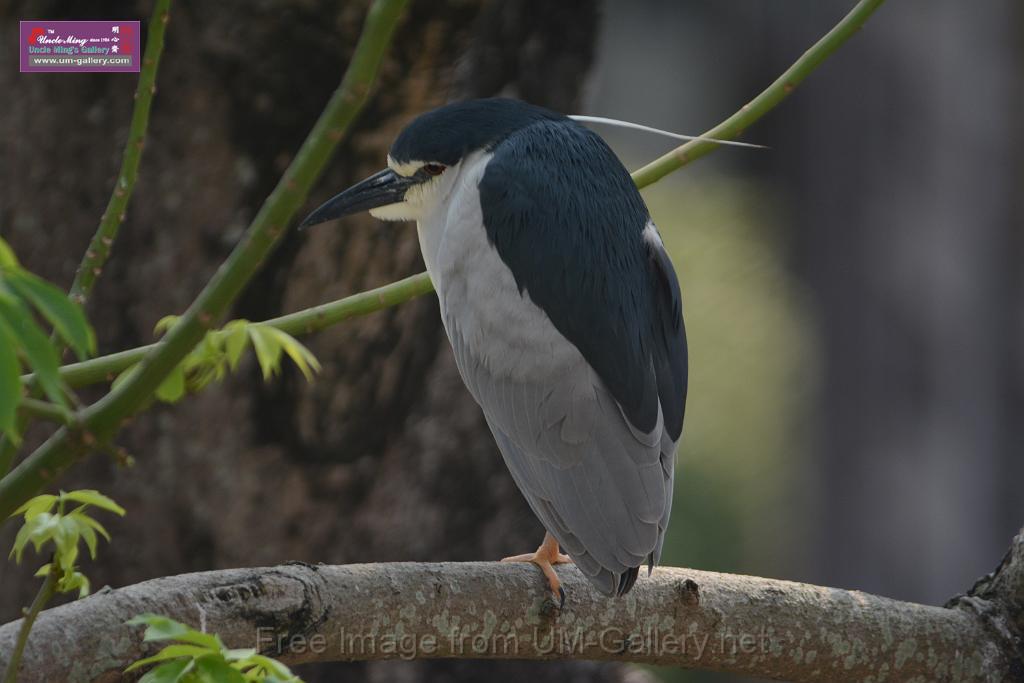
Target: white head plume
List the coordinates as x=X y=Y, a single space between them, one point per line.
x=658 y=131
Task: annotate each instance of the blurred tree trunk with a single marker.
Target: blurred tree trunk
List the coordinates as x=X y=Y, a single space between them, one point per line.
x=385 y=456
x=910 y=217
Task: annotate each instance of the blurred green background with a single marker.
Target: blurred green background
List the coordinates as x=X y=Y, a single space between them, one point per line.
x=754 y=376
x=743 y=464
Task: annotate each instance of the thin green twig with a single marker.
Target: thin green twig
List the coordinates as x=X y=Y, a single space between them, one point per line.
x=96 y=255
x=101 y=420
x=46 y=592
x=47 y=411
x=306 y=321
x=98 y=251
x=769 y=98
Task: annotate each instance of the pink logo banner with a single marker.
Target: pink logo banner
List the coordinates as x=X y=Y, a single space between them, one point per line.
x=79 y=46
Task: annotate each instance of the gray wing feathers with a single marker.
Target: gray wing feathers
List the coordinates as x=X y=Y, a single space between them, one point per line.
x=600 y=487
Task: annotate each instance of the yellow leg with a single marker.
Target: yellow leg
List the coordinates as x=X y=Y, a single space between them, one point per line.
x=546 y=556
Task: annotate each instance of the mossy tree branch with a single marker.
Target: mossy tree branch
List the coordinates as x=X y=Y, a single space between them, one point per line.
x=679 y=617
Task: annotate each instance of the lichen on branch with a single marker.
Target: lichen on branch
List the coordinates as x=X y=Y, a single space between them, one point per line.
x=488 y=610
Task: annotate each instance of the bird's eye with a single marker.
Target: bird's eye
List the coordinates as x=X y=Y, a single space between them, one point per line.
x=433 y=169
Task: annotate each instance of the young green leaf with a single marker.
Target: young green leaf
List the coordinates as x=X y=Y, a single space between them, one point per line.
x=169 y=672
x=72 y=580
x=10 y=386
x=158 y=627
x=20 y=541
x=268 y=350
x=66 y=317
x=165 y=323
x=96 y=526
x=88 y=534
x=7 y=258
x=164 y=628
x=41 y=354
x=36 y=505
x=169 y=652
x=274 y=670
x=206 y=363
x=94 y=498
x=214 y=669
x=173 y=387
x=64 y=530
x=37 y=531
x=236 y=338
x=239 y=654
x=300 y=355
x=207 y=640
x=211 y=661
x=65 y=537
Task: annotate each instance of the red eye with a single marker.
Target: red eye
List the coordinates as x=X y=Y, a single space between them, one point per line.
x=433 y=169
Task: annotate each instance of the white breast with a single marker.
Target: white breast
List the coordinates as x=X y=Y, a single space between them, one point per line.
x=503 y=329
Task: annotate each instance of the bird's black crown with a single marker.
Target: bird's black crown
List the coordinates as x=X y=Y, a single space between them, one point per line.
x=448 y=133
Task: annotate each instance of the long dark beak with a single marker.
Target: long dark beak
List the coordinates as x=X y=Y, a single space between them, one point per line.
x=380 y=189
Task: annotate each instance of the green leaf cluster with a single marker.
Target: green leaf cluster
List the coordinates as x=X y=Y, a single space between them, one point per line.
x=220 y=352
x=197 y=657
x=46 y=521
x=25 y=301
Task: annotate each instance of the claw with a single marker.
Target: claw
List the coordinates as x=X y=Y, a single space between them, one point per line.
x=546 y=556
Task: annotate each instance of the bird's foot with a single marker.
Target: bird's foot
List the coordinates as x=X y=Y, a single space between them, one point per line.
x=545 y=557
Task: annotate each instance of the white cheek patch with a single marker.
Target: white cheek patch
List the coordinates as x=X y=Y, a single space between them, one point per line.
x=399 y=211
x=418 y=199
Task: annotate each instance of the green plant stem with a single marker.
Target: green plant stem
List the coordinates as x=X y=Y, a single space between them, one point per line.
x=100 y=421
x=306 y=321
x=46 y=592
x=102 y=242
x=96 y=255
x=47 y=411
x=769 y=98
x=60 y=450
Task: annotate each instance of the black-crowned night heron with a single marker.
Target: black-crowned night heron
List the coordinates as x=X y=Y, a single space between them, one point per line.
x=564 y=314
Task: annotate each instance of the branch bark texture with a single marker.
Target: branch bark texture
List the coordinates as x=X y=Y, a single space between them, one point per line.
x=682 y=617
x=998 y=600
